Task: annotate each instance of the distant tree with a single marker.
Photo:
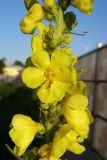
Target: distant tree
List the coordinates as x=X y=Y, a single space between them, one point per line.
x=2 y=64
x=19 y=63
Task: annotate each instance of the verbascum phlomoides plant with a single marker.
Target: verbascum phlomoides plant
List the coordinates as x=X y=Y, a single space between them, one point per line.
x=50 y=72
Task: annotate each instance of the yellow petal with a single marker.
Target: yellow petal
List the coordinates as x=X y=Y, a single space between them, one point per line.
x=90 y=116
x=74 y=59
x=76 y=117
x=37 y=44
x=73 y=76
x=81 y=88
x=77 y=102
x=66 y=49
x=61 y=59
x=41 y=59
x=41 y=27
x=76 y=148
x=36 y=11
x=51 y=94
x=62 y=74
x=85 y=6
x=82 y=130
x=59 y=147
x=20 y=120
x=22 y=138
x=53 y=158
x=33 y=77
x=62 y=138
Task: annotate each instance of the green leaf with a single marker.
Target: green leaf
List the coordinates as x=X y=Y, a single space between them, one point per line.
x=29 y=3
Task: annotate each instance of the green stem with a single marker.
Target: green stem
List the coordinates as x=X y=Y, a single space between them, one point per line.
x=12 y=152
x=79 y=34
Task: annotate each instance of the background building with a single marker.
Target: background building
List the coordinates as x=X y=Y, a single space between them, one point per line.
x=11 y=73
x=96 y=78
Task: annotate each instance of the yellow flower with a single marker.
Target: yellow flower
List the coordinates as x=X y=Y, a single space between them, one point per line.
x=23 y=132
x=50 y=75
x=65 y=139
x=85 y=6
x=31 y=20
x=79 y=119
x=49 y=3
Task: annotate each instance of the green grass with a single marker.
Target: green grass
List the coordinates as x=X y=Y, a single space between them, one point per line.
x=7 y=89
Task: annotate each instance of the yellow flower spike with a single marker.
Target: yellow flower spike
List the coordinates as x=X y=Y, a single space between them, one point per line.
x=49 y=3
x=85 y=6
x=28 y=25
x=76 y=148
x=36 y=11
x=23 y=132
x=77 y=102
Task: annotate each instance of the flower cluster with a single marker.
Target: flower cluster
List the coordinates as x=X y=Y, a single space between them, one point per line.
x=51 y=73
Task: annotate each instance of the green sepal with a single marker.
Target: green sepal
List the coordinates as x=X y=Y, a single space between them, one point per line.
x=64 y=4
x=29 y=3
x=30 y=154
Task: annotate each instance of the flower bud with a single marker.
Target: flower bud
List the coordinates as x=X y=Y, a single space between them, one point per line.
x=67 y=38
x=28 y=25
x=36 y=12
x=84 y=6
x=49 y=3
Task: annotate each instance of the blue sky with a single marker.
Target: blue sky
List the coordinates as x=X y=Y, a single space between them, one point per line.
x=14 y=45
